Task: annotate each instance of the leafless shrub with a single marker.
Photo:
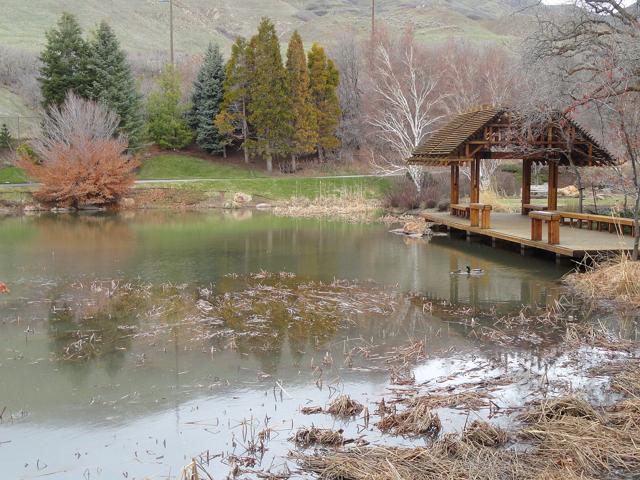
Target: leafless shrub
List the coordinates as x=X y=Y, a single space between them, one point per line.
x=80 y=162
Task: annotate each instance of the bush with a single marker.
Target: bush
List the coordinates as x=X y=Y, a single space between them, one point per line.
x=80 y=161
x=405 y=195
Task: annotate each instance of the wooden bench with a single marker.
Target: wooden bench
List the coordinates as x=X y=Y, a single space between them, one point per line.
x=601 y=222
x=480 y=215
x=529 y=207
x=553 y=226
x=459 y=210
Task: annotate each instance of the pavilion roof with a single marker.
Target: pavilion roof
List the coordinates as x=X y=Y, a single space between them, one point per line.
x=484 y=132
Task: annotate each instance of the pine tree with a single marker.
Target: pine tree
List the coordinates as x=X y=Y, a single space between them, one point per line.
x=305 y=123
x=324 y=81
x=5 y=136
x=112 y=83
x=232 y=121
x=270 y=111
x=64 y=62
x=206 y=101
x=166 y=122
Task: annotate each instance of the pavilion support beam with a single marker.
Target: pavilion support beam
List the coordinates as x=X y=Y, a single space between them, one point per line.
x=455 y=183
x=552 y=197
x=475 y=180
x=526 y=185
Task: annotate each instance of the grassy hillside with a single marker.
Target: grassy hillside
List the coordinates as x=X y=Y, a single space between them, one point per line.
x=12 y=106
x=143 y=24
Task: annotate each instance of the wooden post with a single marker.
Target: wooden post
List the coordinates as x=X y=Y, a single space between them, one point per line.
x=552 y=196
x=455 y=183
x=526 y=185
x=475 y=180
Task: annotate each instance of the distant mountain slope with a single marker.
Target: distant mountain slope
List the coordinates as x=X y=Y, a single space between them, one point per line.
x=143 y=24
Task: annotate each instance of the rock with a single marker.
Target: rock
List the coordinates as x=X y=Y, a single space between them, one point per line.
x=569 y=191
x=419 y=227
x=242 y=198
x=228 y=205
x=34 y=208
x=61 y=210
x=127 y=202
x=263 y=206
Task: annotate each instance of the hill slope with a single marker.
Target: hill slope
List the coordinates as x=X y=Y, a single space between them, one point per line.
x=143 y=24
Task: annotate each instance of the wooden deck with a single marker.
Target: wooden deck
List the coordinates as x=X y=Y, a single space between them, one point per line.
x=516 y=228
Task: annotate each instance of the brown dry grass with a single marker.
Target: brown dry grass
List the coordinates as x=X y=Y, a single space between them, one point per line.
x=318 y=436
x=417 y=419
x=616 y=279
x=345 y=406
x=351 y=206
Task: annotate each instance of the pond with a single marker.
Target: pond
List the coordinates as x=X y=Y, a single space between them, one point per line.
x=131 y=343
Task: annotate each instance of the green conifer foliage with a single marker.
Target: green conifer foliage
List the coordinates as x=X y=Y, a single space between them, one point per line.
x=166 y=122
x=305 y=124
x=232 y=121
x=324 y=80
x=5 y=136
x=112 y=83
x=270 y=113
x=64 y=62
x=206 y=101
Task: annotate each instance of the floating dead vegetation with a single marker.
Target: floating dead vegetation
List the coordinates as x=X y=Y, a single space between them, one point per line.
x=558 y=408
x=624 y=376
x=484 y=434
x=311 y=410
x=466 y=399
x=345 y=406
x=306 y=437
x=254 y=312
x=417 y=419
x=447 y=459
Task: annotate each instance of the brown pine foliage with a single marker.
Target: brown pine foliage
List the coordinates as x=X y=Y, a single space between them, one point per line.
x=93 y=172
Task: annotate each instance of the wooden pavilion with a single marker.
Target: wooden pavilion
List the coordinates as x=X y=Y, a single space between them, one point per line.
x=490 y=132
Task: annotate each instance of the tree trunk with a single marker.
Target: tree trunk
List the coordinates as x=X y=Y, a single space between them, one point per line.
x=595 y=200
x=224 y=152
x=293 y=163
x=245 y=132
x=246 y=153
x=269 y=159
x=320 y=154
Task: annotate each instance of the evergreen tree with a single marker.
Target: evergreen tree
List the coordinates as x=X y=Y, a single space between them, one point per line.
x=5 y=136
x=324 y=81
x=166 y=122
x=232 y=121
x=305 y=123
x=112 y=83
x=270 y=112
x=206 y=101
x=64 y=62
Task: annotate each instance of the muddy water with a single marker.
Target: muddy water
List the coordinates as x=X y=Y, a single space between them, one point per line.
x=95 y=385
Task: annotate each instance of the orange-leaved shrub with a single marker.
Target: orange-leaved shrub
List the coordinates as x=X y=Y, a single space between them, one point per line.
x=79 y=160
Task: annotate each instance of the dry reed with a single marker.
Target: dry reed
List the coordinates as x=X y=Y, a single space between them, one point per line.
x=318 y=436
x=345 y=406
x=416 y=420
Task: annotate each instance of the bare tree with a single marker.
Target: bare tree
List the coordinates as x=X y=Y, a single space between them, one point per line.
x=406 y=105
x=347 y=54
x=595 y=46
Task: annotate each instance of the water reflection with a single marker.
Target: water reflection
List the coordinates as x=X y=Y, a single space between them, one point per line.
x=184 y=344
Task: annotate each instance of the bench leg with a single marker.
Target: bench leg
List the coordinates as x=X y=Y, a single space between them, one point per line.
x=554 y=232
x=536 y=229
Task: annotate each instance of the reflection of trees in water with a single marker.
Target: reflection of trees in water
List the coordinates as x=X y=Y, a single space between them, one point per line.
x=84 y=243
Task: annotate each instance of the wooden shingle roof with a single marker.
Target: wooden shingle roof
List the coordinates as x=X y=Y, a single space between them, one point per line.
x=491 y=132
x=447 y=139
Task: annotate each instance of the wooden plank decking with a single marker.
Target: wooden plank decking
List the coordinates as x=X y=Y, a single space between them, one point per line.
x=516 y=228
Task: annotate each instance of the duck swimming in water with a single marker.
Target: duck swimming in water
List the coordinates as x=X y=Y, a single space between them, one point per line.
x=468 y=271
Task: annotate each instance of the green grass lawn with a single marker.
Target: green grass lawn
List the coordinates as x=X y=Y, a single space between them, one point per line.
x=286 y=187
x=12 y=175
x=177 y=166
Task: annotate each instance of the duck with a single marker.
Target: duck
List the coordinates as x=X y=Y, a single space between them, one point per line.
x=4 y=288
x=474 y=271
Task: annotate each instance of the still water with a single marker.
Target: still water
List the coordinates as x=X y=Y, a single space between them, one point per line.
x=94 y=384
